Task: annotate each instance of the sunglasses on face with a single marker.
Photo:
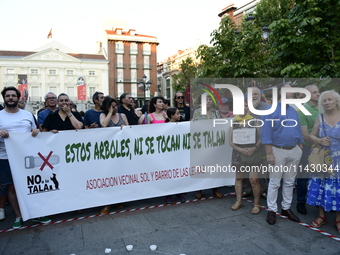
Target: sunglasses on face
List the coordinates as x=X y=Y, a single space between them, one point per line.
x=63 y=100
x=181 y=97
x=50 y=98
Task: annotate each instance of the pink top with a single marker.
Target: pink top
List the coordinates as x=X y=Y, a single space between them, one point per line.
x=154 y=121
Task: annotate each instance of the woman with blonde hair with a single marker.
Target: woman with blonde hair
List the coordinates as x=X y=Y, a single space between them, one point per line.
x=324 y=188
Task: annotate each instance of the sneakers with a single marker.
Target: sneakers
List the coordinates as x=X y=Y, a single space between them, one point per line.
x=2 y=214
x=168 y=200
x=17 y=223
x=180 y=198
x=43 y=220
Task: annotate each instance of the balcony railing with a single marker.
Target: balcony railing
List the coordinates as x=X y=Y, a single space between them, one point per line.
x=120 y=65
x=129 y=80
x=147 y=66
x=133 y=52
x=133 y=65
x=146 y=52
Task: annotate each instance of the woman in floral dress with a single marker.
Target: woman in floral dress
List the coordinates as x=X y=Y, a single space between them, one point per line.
x=324 y=189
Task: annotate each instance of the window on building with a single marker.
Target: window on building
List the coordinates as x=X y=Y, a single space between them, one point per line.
x=168 y=93
x=120 y=61
x=146 y=63
x=120 y=89
x=167 y=84
x=92 y=73
x=133 y=61
x=34 y=71
x=120 y=75
x=133 y=48
x=147 y=74
x=133 y=75
x=134 y=90
x=92 y=90
x=10 y=70
x=52 y=72
x=146 y=49
x=70 y=91
x=34 y=96
x=119 y=47
x=69 y=72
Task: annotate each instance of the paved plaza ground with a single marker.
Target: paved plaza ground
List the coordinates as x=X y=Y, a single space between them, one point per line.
x=205 y=227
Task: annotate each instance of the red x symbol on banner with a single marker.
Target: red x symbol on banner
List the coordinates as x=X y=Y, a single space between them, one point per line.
x=45 y=160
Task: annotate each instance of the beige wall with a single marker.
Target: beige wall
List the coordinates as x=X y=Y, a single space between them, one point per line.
x=61 y=82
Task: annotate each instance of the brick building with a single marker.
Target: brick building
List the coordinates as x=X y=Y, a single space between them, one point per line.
x=131 y=56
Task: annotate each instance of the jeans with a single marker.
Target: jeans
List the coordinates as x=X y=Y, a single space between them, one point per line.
x=302 y=183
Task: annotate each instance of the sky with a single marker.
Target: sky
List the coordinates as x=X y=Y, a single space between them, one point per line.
x=177 y=24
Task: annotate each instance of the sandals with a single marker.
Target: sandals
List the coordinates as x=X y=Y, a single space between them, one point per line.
x=236 y=206
x=198 y=194
x=317 y=224
x=337 y=228
x=217 y=194
x=256 y=209
x=105 y=210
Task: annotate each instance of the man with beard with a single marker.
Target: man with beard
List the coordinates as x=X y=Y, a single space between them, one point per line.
x=13 y=120
x=51 y=106
x=91 y=117
x=307 y=123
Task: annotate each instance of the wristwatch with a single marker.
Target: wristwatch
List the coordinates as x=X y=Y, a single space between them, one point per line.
x=69 y=115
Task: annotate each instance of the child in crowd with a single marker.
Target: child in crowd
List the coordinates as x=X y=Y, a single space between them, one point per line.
x=173 y=116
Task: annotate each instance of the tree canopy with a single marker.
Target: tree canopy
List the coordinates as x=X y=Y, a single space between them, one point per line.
x=304 y=42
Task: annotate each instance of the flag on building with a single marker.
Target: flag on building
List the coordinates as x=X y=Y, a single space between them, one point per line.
x=49 y=34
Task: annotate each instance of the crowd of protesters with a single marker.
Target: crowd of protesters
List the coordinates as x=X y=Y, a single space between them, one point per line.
x=272 y=145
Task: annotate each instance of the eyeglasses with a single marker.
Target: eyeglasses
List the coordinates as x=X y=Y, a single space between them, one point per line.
x=50 y=98
x=11 y=95
x=181 y=97
x=63 y=100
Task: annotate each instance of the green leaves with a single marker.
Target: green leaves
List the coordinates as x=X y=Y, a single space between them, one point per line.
x=188 y=71
x=314 y=50
x=304 y=42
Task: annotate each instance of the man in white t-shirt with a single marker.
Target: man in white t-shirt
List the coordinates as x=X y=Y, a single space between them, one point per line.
x=13 y=120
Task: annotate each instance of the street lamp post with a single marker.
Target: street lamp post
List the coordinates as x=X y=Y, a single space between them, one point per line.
x=265 y=33
x=250 y=17
x=144 y=86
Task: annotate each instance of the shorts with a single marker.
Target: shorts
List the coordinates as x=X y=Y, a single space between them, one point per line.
x=5 y=172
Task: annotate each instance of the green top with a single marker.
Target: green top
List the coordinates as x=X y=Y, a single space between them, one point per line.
x=308 y=120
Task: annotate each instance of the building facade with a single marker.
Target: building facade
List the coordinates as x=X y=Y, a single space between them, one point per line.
x=52 y=70
x=237 y=13
x=131 y=56
x=169 y=68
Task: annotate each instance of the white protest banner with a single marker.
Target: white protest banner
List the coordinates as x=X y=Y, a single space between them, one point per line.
x=71 y=170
